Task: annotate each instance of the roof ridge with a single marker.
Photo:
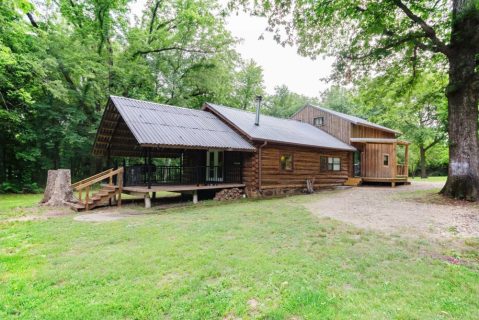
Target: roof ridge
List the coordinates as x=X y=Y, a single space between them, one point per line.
x=345 y=115
x=157 y=103
x=251 y=112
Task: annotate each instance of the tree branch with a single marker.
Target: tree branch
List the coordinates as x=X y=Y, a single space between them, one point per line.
x=436 y=140
x=428 y=30
x=143 y=52
x=32 y=20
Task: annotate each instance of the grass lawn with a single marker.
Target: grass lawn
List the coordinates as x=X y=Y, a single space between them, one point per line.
x=268 y=259
x=8 y=202
x=431 y=179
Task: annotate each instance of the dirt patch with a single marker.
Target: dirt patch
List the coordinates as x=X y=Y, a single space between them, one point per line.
x=107 y=215
x=408 y=210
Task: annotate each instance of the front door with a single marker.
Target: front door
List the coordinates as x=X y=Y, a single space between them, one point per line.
x=357 y=164
x=214 y=166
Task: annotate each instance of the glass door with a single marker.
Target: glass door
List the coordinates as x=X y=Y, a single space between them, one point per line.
x=357 y=164
x=214 y=166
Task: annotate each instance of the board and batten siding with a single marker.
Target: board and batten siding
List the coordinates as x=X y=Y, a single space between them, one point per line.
x=334 y=125
x=372 y=165
x=306 y=165
x=359 y=131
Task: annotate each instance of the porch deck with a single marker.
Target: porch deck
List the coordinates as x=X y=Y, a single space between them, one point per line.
x=179 y=188
x=144 y=192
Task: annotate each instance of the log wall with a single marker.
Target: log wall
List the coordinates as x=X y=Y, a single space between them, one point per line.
x=306 y=165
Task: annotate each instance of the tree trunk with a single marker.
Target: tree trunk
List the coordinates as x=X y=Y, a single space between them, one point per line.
x=422 y=161
x=462 y=93
x=58 y=191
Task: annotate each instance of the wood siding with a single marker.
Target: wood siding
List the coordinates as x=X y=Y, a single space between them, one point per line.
x=334 y=125
x=372 y=160
x=306 y=165
x=359 y=131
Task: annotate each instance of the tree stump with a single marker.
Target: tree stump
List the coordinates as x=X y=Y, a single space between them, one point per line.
x=58 y=191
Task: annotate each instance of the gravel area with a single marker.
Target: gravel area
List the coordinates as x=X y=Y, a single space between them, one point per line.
x=408 y=210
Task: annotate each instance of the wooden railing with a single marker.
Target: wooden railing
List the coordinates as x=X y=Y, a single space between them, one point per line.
x=402 y=170
x=86 y=184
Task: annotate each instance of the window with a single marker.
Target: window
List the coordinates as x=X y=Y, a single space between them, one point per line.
x=329 y=164
x=334 y=164
x=386 y=160
x=286 y=162
x=318 y=121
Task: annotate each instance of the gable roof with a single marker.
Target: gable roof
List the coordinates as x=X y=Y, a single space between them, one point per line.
x=353 y=119
x=163 y=125
x=277 y=129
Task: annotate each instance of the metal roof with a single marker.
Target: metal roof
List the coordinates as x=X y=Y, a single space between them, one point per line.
x=356 y=120
x=278 y=129
x=163 y=125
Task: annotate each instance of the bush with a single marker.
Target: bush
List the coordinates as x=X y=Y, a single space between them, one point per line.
x=10 y=187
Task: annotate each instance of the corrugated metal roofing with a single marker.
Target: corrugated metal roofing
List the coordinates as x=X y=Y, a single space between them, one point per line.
x=157 y=124
x=278 y=129
x=356 y=120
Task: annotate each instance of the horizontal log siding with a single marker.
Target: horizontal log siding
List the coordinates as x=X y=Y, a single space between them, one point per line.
x=334 y=125
x=306 y=165
x=359 y=131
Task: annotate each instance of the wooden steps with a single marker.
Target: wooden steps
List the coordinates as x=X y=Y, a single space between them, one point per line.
x=105 y=196
x=353 y=182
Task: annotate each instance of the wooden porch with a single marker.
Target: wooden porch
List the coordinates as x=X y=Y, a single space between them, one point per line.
x=382 y=160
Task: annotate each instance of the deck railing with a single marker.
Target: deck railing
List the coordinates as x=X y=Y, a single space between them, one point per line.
x=402 y=170
x=142 y=175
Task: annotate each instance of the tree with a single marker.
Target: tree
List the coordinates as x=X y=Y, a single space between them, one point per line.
x=372 y=36
x=284 y=103
x=339 y=99
x=249 y=84
x=418 y=109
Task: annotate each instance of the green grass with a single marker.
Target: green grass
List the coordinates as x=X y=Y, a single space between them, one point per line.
x=12 y=201
x=431 y=179
x=211 y=260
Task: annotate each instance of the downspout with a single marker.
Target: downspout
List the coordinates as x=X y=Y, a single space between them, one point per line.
x=260 y=164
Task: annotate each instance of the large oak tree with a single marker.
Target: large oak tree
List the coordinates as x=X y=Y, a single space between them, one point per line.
x=369 y=36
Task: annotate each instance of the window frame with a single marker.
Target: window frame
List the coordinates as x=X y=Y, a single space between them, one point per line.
x=329 y=163
x=386 y=157
x=321 y=122
x=286 y=155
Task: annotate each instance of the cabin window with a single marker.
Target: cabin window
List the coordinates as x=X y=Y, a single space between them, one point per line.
x=329 y=164
x=286 y=162
x=334 y=164
x=386 y=160
x=318 y=121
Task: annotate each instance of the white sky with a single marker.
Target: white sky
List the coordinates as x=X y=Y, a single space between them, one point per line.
x=281 y=65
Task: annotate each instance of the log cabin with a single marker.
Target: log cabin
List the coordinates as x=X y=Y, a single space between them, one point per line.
x=168 y=148
x=379 y=157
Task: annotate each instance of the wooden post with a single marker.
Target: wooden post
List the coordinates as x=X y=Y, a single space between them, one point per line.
x=120 y=186
x=149 y=168
x=395 y=161
x=406 y=160
x=87 y=197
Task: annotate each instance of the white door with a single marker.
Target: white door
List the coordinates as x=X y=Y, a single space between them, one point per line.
x=214 y=166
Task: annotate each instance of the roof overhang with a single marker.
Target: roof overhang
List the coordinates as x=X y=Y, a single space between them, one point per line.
x=379 y=140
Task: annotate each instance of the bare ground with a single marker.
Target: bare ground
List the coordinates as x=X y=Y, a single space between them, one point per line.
x=413 y=210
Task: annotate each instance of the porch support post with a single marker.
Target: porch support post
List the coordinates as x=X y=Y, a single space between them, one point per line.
x=195 y=196
x=147 y=200
x=406 y=160
x=149 y=168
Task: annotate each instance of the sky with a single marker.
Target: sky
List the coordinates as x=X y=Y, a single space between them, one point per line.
x=281 y=65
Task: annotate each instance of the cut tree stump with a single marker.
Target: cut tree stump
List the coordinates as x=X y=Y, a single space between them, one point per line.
x=58 y=191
